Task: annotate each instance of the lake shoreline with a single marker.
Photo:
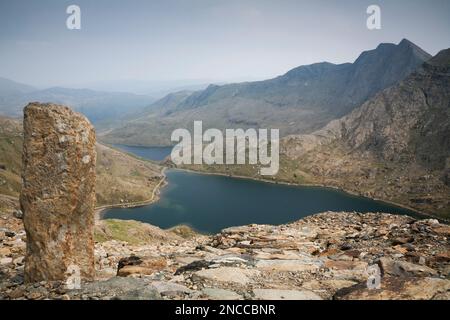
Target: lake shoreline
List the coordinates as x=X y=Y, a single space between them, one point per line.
x=99 y=211
x=163 y=182
x=419 y=213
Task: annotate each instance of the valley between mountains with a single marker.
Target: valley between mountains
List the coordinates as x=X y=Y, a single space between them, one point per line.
x=378 y=127
x=394 y=147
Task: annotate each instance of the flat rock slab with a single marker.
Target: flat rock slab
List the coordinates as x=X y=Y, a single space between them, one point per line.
x=220 y=294
x=346 y=265
x=330 y=284
x=398 y=288
x=300 y=265
x=284 y=255
x=348 y=270
x=276 y=294
x=122 y=289
x=228 y=274
x=165 y=288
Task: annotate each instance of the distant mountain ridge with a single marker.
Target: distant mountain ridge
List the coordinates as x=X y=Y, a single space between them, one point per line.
x=98 y=106
x=10 y=87
x=301 y=101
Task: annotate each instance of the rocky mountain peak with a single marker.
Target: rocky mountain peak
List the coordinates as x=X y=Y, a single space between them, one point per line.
x=441 y=59
x=407 y=122
x=404 y=48
x=396 y=143
x=309 y=96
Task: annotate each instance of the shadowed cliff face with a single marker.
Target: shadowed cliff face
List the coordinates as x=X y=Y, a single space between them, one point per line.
x=409 y=122
x=301 y=101
x=401 y=137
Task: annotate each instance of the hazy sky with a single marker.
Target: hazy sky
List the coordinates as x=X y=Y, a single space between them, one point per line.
x=223 y=40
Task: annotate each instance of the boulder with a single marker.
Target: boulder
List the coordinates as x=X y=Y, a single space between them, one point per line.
x=58 y=193
x=140 y=266
x=402 y=268
x=300 y=265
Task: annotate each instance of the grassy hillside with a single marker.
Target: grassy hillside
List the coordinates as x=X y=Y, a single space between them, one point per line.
x=133 y=232
x=10 y=156
x=121 y=178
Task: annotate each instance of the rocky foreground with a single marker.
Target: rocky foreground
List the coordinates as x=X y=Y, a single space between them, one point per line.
x=325 y=256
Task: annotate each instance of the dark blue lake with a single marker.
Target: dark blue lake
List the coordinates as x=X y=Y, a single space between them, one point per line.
x=210 y=203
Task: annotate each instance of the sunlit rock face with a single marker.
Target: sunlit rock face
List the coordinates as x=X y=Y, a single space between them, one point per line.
x=58 y=193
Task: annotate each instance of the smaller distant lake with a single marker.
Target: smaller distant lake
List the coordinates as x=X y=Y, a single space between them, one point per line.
x=153 y=153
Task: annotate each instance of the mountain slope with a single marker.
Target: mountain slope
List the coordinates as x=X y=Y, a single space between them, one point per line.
x=394 y=147
x=121 y=179
x=301 y=101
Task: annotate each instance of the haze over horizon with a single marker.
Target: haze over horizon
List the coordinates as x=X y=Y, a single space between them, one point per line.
x=200 y=41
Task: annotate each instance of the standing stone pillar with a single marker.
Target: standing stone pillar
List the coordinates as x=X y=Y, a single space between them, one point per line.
x=58 y=192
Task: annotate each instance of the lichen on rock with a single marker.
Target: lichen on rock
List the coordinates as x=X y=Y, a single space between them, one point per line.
x=58 y=192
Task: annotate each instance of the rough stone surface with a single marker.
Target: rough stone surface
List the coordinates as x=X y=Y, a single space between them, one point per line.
x=220 y=294
x=122 y=289
x=274 y=294
x=404 y=268
x=228 y=274
x=228 y=265
x=170 y=288
x=400 y=288
x=288 y=265
x=58 y=192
